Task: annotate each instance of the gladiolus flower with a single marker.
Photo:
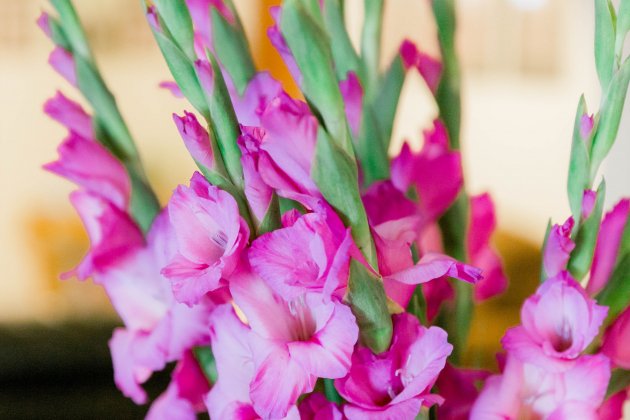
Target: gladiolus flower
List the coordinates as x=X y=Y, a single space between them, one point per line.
x=617 y=340
x=558 y=248
x=429 y=68
x=195 y=138
x=396 y=383
x=63 y=62
x=558 y=322
x=352 y=94
x=317 y=407
x=210 y=236
x=303 y=339
x=69 y=114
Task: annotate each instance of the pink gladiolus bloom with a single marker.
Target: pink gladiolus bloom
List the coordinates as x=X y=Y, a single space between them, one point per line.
x=558 y=322
x=158 y=330
x=172 y=87
x=586 y=126
x=184 y=396
x=607 y=247
x=43 y=21
x=435 y=172
x=210 y=235
x=311 y=255
x=302 y=339
x=397 y=383
x=280 y=154
x=429 y=68
x=69 y=114
x=63 y=62
x=612 y=409
x=617 y=341
x=317 y=407
x=589 y=198
x=399 y=206
x=195 y=138
x=558 y=248
x=93 y=167
x=205 y=74
x=352 y=94
x=459 y=389
x=260 y=91
x=480 y=250
x=527 y=391
x=113 y=235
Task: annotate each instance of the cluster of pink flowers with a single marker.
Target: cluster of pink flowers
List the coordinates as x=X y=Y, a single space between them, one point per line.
x=257 y=264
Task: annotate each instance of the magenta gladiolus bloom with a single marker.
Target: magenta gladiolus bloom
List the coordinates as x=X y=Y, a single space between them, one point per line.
x=311 y=255
x=558 y=248
x=210 y=236
x=558 y=322
x=302 y=339
x=195 y=138
x=480 y=251
x=458 y=387
x=260 y=91
x=528 y=391
x=435 y=172
x=429 y=68
x=397 y=383
x=63 y=62
x=617 y=341
x=352 y=94
x=91 y=166
x=69 y=114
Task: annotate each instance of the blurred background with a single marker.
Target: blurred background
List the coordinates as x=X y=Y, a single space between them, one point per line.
x=524 y=62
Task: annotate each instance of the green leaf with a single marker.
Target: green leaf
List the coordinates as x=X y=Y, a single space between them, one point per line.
x=232 y=51
x=616 y=293
x=418 y=306
x=582 y=255
x=179 y=23
x=311 y=49
x=345 y=57
x=579 y=169
x=543 y=274
x=224 y=124
x=370 y=149
x=72 y=28
x=610 y=116
x=335 y=173
x=104 y=104
x=208 y=364
x=371 y=42
x=183 y=72
x=271 y=221
x=366 y=297
x=604 y=41
x=387 y=98
x=58 y=35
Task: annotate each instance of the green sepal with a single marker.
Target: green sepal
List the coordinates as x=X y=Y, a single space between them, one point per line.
x=610 y=116
x=232 y=51
x=366 y=297
x=104 y=105
x=624 y=245
x=72 y=29
x=543 y=273
x=183 y=72
x=206 y=361
x=224 y=123
x=286 y=204
x=272 y=219
x=331 y=392
x=579 y=165
x=387 y=98
x=335 y=173
x=177 y=19
x=582 y=255
x=57 y=34
x=604 y=41
x=619 y=380
x=418 y=305
x=616 y=293
x=371 y=42
x=311 y=50
x=370 y=149
x=344 y=55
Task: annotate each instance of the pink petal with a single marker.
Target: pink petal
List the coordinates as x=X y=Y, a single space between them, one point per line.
x=69 y=114
x=63 y=63
x=433 y=266
x=616 y=341
x=316 y=407
x=558 y=248
x=352 y=94
x=280 y=44
x=607 y=246
x=260 y=91
x=173 y=88
x=408 y=409
x=196 y=139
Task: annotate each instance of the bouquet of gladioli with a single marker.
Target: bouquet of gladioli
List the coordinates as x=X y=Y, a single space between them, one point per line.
x=303 y=273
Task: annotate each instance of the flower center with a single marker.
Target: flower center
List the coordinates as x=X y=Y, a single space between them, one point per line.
x=563 y=339
x=304 y=324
